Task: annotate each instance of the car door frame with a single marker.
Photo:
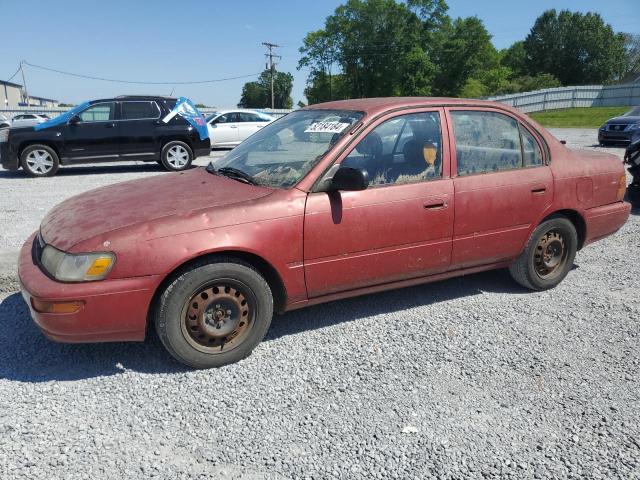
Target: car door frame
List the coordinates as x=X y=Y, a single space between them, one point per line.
x=73 y=154
x=232 y=125
x=147 y=149
x=472 y=248
x=379 y=261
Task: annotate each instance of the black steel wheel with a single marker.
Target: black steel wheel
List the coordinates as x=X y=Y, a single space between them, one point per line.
x=214 y=313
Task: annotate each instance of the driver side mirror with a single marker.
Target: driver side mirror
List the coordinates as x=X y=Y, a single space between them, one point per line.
x=75 y=119
x=347 y=179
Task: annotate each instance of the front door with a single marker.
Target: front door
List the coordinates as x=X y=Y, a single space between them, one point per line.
x=224 y=130
x=502 y=186
x=400 y=227
x=138 y=126
x=95 y=137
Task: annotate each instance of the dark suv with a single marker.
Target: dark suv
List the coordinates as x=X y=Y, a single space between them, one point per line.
x=143 y=128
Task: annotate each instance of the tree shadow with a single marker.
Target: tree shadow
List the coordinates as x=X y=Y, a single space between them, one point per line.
x=27 y=356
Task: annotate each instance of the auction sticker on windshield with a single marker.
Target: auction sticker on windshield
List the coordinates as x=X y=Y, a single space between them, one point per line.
x=326 y=127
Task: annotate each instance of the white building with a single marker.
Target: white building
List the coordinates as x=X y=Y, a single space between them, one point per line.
x=13 y=95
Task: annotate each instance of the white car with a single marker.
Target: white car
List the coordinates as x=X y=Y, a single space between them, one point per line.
x=28 y=119
x=4 y=122
x=230 y=127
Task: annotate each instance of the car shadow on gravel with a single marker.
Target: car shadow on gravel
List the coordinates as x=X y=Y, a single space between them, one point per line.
x=66 y=171
x=325 y=315
x=27 y=356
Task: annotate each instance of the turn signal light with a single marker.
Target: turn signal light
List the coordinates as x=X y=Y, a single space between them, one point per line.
x=622 y=187
x=56 y=307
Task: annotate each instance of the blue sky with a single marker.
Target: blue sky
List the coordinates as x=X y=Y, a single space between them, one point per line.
x=196 y=40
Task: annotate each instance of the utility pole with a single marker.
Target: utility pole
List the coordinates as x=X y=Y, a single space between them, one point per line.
x=24 y=81
x=271 y=65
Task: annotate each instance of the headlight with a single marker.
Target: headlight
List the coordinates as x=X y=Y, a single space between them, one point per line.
x=82 y=267
x=635 y=126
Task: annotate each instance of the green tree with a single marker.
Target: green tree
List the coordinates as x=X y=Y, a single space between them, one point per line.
x=515 y=58
x=466 y=53
x=258 y=94
x=576 y=48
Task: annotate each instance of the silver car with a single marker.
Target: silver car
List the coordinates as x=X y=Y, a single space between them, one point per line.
x=4 y=122
x=228 y=128
x=28 y=119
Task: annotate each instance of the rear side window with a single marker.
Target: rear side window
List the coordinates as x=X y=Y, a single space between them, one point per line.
x=100 y=112
x=530 y=148
x=139 y=110
x=486 y=142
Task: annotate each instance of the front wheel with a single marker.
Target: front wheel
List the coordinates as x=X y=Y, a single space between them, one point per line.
x=548 y=255
x=176 y=156
x=214 y=313
x=39 y=161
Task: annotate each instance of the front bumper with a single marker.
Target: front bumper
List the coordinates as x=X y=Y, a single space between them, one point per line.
x=613 y=136
x=8 y=158
x=113 y=310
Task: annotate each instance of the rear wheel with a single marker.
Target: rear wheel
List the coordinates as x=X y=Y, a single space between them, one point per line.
x=176 y=156
x=39 y=161
x=214 y=313
x=548 y=256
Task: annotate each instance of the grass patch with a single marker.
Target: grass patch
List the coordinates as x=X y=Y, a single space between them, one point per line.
x=591 y=117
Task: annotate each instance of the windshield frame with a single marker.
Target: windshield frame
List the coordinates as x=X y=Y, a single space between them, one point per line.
x=332 y=148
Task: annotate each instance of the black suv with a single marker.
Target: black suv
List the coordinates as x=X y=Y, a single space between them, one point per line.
x=107 y=130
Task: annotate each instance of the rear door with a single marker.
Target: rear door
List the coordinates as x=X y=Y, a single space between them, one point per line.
x=401 y=226
x=96 y=136
x=224 y=129
x=249 y=124
x=502 y=185
x=138 y=124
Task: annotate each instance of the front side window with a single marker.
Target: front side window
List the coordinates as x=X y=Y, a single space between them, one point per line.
x=404 y=149
x=486 y=142
x=283 y=152
x=100 y=112
x=139 y=110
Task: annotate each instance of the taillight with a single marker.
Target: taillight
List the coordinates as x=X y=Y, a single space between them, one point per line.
x=622 y=187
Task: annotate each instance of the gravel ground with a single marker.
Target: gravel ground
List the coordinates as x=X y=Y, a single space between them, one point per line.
x=467 y=378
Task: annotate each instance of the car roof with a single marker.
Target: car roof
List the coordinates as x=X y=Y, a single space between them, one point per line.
x=228 y=110
x=133 y=97
x=374 y=106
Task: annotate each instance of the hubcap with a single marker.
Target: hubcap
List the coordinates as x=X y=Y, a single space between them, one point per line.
x=550 y=255
x=218 y=317
x=177 y=156
x=40 y=161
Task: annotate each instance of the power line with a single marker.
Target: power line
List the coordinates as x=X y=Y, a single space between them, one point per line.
x=17 y=71
x=271 y=65
x=92 y=77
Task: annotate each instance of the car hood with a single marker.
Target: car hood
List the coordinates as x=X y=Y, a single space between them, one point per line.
x=623 y=120
x=130 y=203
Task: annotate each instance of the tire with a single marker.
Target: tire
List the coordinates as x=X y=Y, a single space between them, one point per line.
x=214 y=313
x=39 y=161
x=548 y=255
x=176 y=156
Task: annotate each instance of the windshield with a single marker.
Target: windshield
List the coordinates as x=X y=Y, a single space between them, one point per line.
x=283 y=152
x=634 y=112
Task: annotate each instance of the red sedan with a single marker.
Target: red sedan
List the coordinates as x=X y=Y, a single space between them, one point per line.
x=330 y=201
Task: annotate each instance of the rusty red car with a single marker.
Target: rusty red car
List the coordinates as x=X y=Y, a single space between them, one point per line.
x=331 y=201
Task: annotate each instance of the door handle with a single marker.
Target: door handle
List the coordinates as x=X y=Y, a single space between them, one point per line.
x=435 y=205
x=233 y=126
x=110 y=125
x=539 y=190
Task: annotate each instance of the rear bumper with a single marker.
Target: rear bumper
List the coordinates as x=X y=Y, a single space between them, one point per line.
x=113 y=310
x=605 y=220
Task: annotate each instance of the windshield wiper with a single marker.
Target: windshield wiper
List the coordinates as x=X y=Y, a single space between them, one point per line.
x=235 y=174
